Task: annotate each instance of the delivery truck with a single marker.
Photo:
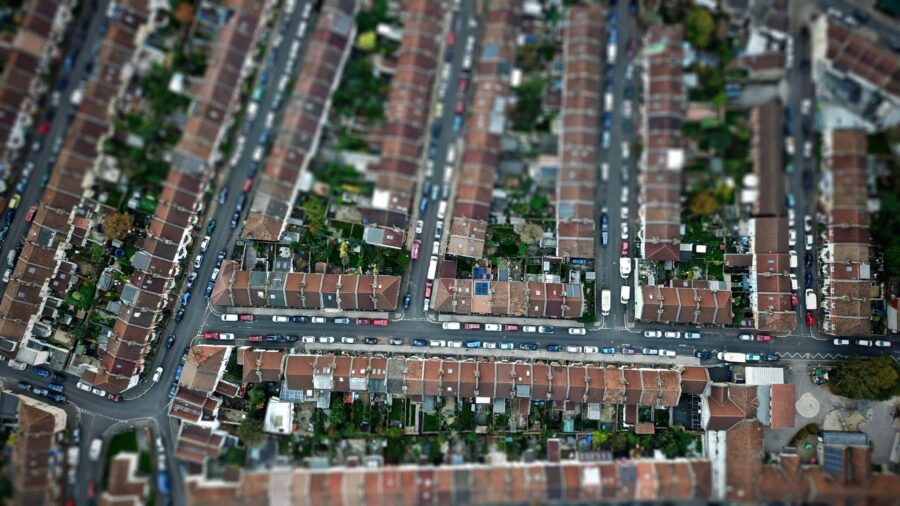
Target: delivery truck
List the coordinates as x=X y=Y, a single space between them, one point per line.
x=727 y=356
x=605 y=301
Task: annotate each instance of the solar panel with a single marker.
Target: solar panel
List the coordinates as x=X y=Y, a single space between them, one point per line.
x=834 y=461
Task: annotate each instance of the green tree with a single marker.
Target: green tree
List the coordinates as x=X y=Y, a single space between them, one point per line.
x=257 y=397
x=528 y=110
x=874 y=379
x=117 y=225
x=887 y=233
x=699 y=27
x=367 y=41
x=314 y=211
x=250 y=431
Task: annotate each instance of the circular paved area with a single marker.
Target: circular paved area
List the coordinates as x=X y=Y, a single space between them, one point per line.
x=807 y=406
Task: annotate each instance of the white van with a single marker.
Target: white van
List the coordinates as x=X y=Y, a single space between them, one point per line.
x=451 y=155
x=229 y=317
x=442 y=210
x=450 y=325
x=625 y=295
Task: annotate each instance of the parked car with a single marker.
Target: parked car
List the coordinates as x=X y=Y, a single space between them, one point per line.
x=326 y=340
x=841 y=342
x=318 y=319
x=762 y=338
x=546 y=329
x=529 y=328
x=883 y=344
x=380 y=323
x=416 y=342
x=671 y=334
x=703 y=354
x=528 y=346
x=246 y=317
x=692 y=335
x=370 y=340
x=157 y=374
x=628 y=350
x=745 y=337
x=170 y=341
x=577 y=331
x=810 y=318
x=300 y=319
x=652 y=333
x=472 y=326
x=650 y=351
x=553 y=347
x=342 y=321
x=492 y=327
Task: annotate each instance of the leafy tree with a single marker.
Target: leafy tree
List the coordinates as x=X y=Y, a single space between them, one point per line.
x=257 y=397
x=117 y=225
x=314 y=211
x=703 y=204
x=531 y=233
x=367 y=41
x=699 y=27
x=874 y=379
x=250 y=431
x=528 y=110
x=887 y=233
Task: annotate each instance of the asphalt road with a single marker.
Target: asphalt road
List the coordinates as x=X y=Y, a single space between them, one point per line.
x=622 y=174
x=87 y=31
x=418 y=270
x=147 y=404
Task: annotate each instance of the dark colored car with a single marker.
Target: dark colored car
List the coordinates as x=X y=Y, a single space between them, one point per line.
x=179 y=315
x=59 y=377
x=770 y=357
x=210 y=227
x=370 y=340
x=55 y=397
x=419 y=342
x=703 y=354
x=406 y=300
x=40 y=371
x=56 y=387
x=528 y=346
x=809 y=260
x=170 y=341
x=300 y=319
x=628 y=350
x=114 y=397
x=553 y=347
x=809 y=279
x=23 y=386
x=274 y=338
x=292 y=339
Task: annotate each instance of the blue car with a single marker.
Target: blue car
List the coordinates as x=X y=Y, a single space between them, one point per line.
x=419 y=342
x=609 y=351
x=457 y=123
x=423 y=205
x=172 y=389
x=40 y=371
x=406 y=300
x=473 y=343
x=553 y=347
x=60 y=398
x=55 y=387
x=209 y=288
x=185 y=298
x=162 y=483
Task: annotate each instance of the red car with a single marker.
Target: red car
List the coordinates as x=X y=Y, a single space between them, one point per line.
x=380 y=323
x=624 y=248
x=794 y=300
x=248 y=184
x=44 y=128
x=256 y=339
x=451 y=39
x=463 y=83
x=210 y=335
x=415 y=249
x=810 y=318
x=460 y=106
x=473 y=326
x=511 y=328
x=30 y=215
x=246 y=317
x=428 y=286
x=91 y=490
x=763 y=338
x=362 y=321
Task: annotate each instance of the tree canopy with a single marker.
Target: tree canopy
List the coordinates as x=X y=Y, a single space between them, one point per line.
x=531 y=233
x=117 y=225
x=874 y=379
x=699 y=26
